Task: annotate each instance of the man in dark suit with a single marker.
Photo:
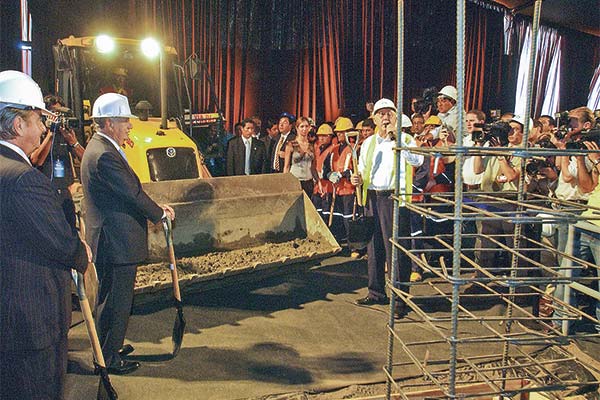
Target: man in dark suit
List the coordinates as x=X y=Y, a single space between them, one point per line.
x=271 y=133
x=116 y=213
x=38 y=248
x=286 y=134
x=246 y=155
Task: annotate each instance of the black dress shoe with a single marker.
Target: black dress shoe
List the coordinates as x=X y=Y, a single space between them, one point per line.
x=126 y=350
x=370 y=301
x=400 y=311
x=123 y=367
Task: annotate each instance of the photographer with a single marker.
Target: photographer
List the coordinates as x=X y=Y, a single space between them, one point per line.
x=500 y=174
x=446 y=105
x=586 y=238
x=568 y=187
x=53 y=157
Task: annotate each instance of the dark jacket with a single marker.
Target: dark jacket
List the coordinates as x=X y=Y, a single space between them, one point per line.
x=236 y=157
x=291 y=136
x=38 y=248
x=116 y=208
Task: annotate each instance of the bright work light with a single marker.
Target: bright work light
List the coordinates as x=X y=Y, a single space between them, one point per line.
x=150 y=48
x=105 y=44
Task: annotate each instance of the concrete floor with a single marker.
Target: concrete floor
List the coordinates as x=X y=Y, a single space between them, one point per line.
x=296 y=332
x=300 y=331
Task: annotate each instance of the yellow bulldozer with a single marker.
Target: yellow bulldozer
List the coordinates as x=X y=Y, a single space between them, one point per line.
x=214 y=214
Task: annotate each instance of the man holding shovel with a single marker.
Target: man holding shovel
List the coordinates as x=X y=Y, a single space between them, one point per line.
x=38 y=248
x=116 y=213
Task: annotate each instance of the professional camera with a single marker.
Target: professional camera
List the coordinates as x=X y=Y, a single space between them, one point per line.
x=428 y=103
x=591 y=135
x=62 y=122
x=562 y=123
x=534 y=166
x=64 y=119
x=498 y=130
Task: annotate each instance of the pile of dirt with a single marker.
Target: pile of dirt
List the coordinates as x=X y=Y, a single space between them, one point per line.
x=153 y=274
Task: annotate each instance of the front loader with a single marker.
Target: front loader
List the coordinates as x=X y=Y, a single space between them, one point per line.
x=212 y=214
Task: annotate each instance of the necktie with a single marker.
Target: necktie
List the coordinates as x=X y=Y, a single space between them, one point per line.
x=277 y=150
x=247 y=162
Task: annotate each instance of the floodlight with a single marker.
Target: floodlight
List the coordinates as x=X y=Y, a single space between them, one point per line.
x=150 y=47
x=104 y=44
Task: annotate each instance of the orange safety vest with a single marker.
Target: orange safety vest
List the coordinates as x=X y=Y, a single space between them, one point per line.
x=320 y=157
x=340 y=163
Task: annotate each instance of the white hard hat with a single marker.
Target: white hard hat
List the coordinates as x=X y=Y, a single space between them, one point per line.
x=521 y=120
x=112 y=105
x=18 y=90
x=406 y=122
x=383 y=103
x=449 y=91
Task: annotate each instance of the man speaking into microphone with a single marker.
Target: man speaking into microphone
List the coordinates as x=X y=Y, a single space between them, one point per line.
x=377 y=174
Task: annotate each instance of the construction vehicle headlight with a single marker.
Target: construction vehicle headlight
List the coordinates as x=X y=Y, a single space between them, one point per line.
x=104 y=44
x=150 y=48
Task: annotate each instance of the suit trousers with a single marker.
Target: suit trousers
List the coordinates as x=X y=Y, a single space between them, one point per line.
x=379 y=249
x=113 y=306
x=34 y=374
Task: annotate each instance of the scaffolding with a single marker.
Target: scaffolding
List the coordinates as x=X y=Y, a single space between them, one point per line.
x=515 y=340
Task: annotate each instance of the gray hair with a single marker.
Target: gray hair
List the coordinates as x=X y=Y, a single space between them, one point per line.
x=7 y=121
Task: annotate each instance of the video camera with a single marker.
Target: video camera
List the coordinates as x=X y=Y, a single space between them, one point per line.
x=63 y=120
x=534 y=166
x=591 y=135
x=428 y=102
x=498 y=130
x=562 y=123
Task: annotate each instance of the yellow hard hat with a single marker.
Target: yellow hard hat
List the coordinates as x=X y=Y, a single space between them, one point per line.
x=324 y=130
x=343 y=124
x=352 y=133
x=433 y=120
x=358 y=126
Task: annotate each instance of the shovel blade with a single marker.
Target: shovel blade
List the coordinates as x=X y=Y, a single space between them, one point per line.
x=105 y=389
x=178 y=330
x=360 y=232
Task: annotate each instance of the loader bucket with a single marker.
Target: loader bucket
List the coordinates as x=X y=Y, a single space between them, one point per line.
x=228 y=213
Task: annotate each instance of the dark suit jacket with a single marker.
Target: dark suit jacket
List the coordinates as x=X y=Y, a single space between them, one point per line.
x=291 y=136
x=236 y=157
x=115 y=205
x=38 y=248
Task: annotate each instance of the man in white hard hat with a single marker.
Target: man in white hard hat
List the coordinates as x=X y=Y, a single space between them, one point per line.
x=38 y=248
x=377 y=174
x=117 y=210
x=446 y=105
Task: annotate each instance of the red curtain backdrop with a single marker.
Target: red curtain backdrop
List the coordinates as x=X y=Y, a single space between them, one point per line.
x=319 y=58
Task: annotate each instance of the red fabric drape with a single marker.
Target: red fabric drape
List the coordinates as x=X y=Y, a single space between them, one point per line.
x=483 y=58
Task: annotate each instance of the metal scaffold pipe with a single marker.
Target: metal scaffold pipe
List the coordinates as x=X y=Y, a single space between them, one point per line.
x=458 y=195
x=396 y=215
x=521 y=188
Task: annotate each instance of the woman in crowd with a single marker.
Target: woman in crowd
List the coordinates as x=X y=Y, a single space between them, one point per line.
x=300 y=157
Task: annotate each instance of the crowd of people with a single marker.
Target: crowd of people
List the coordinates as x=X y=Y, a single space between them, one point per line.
x=346 y=169
x=321 y=158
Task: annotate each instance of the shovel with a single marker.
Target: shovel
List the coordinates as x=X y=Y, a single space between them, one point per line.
x=361 y=228
x=105 y=389
x=179 y=326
